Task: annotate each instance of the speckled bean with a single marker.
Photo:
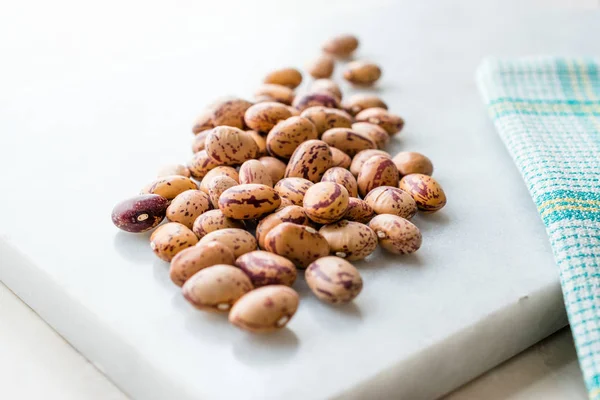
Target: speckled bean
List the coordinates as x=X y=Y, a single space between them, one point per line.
x=326 y=86
x=287 y=135
x=230 y=113
x=200 y=164
x=140 y=213
x=377 y=171
x=347 y=140
x=293 y=213
x=396 y=234
x=274 y=93
x=252 y=171
x=334 y=280
x=343 y=177
x=199 y=141
x=216 y=288
x=358 y=102
x=321 y=67
x=409 y=162
x=275 y=167
x=193 y=259
x=217 y=186
x=262 y=117
x=170 y=186
x=298 y=243
x=380 y=116
x=361 y=157
x=375 y=132
x=326 y=202
x=289 y=77
x=293 y=189
x=227 y=145
x=248 y=201
x=341 y=46
x=339 y=158
x=174 y=169
x=261 y=142
x=359 y=211
x=187 y=206
x=214 y=220
x=426 y=191
x=203 y=122
x=362 y=73
x=171 y=238
x=304 y=101
x=325 y=118
x=349 y=239
x=310 y=161
x=265 y=309
x=218 y=171
x=266 y=268
x=391 y=200
x=239 y=241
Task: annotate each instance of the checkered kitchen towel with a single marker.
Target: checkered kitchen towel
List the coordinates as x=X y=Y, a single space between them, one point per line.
x=547 y=111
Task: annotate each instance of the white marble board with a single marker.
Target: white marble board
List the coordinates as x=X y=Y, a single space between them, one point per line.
x=96 y=97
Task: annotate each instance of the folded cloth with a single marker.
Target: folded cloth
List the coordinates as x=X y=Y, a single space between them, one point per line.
x=547 y=111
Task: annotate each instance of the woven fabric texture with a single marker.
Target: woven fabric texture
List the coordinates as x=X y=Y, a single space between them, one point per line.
x=547 y=111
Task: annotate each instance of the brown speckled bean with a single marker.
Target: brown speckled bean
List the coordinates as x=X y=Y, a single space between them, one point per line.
x=310 y=161
x=375 y=132
x=361 y=157
x=239 y=241
x=358 y=102
x=293 y=213
x=214 y=220
x=293 y=189
x=171 y=238
x=380 y=116
x=252 y=171
x=274 y=93
x=140 y=213
x=203 y=122
x=248 y=201
x=325 y=118
x=347 y=140
x=187 y=206
x=377 y=171
x=275 y=167
x=200 y=164
x=391 y=200
x=298 y=243
x=287 y=135
x=217 y=186
x=304 y=101
x=193 y=259
x=343 y=177
x=362 y=73
x=261 y=142
x=199 y=141
x=349 y=239
x=321 y=67
x=341 y=46
x=326 y=202
x=396 y=234
x=334 y=280
x=218 y=171
x=170 y=186
x=339 y=158
x=426 y=191
x=230 y=113
x=174 y=169
x=409 y=162
x=266 y=268
x=262 y=117
x=289 y=77
x=359 y=211
x=265 y=309
x=326 y=86
x=227 y=145
x=216 y=288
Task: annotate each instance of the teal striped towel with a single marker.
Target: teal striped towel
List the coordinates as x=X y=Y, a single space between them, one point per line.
x=547 y=111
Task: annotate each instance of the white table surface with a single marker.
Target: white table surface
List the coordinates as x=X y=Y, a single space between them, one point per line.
x=37 y=363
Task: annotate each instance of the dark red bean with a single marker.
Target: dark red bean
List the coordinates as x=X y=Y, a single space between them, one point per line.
x=140 y=213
